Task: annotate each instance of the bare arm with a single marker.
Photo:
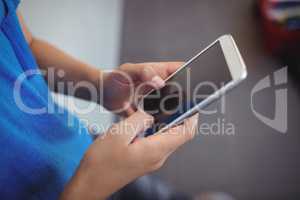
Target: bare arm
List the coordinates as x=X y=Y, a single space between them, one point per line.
x=49 y=56
x=113 y=161
x=114 y=93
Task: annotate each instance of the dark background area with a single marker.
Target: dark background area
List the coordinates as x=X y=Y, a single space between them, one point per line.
x=257 y=162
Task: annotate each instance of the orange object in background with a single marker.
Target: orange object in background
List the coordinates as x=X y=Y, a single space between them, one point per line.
x=278 y=37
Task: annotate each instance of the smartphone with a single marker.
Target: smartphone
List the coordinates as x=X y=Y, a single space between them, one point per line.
x=199 y=82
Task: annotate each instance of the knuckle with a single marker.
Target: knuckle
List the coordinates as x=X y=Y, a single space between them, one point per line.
x=147 y=73
x=187 y=138
x=154 y=161
x=149 y=118
x=125 y=65
x=146 y=118
x=156 y=165
x=193 y=132
x=190 y=136
x=189 y=132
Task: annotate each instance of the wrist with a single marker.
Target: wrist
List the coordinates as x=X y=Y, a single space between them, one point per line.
x=83 y=185
x=96 y=78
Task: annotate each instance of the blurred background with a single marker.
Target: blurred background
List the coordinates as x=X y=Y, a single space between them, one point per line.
x=257 y=162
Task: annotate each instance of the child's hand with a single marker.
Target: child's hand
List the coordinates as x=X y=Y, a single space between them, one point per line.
x=113 y=160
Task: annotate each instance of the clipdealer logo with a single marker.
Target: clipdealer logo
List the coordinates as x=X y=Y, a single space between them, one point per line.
x=280 y=80
x=277 y=81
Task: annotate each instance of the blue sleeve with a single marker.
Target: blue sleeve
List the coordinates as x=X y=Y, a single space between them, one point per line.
x=12 y=4
x=16 y=3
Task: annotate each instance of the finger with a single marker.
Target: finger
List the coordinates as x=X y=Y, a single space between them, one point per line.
x=165 y=69
x=167 y=142
x=128 y=129
x=150 y=75
x=169 y=67
x=147 y=71
x=126 y=112
x=153 y=75
x=129 y=109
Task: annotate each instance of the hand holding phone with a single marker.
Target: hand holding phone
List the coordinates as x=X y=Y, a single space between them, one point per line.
x=199 y=82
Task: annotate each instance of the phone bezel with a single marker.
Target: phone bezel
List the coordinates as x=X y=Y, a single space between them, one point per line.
x=236 y=67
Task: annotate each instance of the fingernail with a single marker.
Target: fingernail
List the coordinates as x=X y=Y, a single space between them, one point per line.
x=158 y=82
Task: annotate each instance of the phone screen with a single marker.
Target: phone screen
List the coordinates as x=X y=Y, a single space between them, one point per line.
x=201 y=78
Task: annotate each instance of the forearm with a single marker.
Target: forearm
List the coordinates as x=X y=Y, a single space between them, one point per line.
x=51 y=59
x=80 y=187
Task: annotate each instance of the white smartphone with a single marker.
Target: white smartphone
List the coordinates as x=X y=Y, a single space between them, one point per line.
x=199 y=82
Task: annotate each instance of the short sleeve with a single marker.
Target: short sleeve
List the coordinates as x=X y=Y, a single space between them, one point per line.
x=16 y=3
x=12 y=4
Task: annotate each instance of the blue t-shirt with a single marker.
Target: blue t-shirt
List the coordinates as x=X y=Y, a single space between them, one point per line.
x=41 y=143
x=2 y=11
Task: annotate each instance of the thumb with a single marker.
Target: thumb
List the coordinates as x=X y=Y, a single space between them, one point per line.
x=128 y=129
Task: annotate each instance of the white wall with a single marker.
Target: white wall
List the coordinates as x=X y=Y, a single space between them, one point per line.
x=87 y=29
